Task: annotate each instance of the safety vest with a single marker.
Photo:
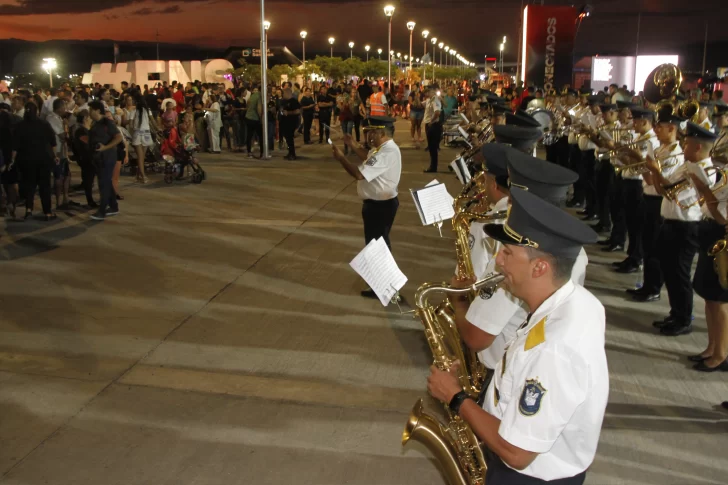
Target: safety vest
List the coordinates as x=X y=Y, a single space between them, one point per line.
x=377 y=108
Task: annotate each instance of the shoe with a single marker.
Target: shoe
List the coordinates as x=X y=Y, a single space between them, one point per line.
x=98 y=216
x=28 y=215
x=119 y=197
x=92 y=205
x=112 y=212
x=429 y=170
x=582 y=212
x=646 y=297
x=697 y=358
x=627 y=269
x=624 y=262
x=73 y=203
x=369 y=294
x=676 y=329
x=634 y=291
x=592 y=217
x=668 y=320
x=605 y=242
x=49 y=217
x=613 y=248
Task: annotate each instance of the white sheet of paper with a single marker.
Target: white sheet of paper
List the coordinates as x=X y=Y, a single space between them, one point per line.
x=461 y=170
x=434 y=182
x=436 y=204
x=463 y=133
x=465 y=117
x=376 y=265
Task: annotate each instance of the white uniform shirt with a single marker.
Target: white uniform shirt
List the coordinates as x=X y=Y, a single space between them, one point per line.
x=432 y=105
x=503 y=313
x=550 y=389
x=381 y=171
x=660 y=150
x=573 y=137
x=642 y=147
x=722 y=195
x=589 y=119
x=482 y=248
x=669 y=209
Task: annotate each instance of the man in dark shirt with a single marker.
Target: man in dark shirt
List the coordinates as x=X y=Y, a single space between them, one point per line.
x=290 y=111
x=325 y=105
x=103 y=138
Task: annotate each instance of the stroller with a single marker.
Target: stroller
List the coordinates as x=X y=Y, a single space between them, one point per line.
x=179 y=155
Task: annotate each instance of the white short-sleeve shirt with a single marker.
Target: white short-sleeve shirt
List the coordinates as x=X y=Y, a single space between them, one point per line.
x=381 y=170
x=669 y=208
x=503 y=313
x=551 y=387
x=674 y=158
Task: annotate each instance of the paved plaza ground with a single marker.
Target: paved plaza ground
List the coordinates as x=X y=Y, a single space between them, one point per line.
x=214 y=334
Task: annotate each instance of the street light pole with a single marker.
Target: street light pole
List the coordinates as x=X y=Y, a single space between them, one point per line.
x=425 y=33
x=389 y=12
x=366 y=48
x=434 y=61
x=379 y=54
x=501 y=56
x=441 y=45
x=411 y=28
x=303 y=43
x=351 y=50
x=264 y=26
x=331 y=41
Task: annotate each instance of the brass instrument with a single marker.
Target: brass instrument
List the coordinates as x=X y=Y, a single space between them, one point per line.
x=663 y=84
x=641 y=167
x=719 y=152
x=453 y=444
x=673 y=191
x=629 y=146
x=470 y=192
x=719 y=252
x=689 y=109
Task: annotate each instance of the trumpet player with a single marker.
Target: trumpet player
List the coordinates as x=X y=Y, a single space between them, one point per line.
x=678 y=237
x=590 y=120
x=605 y=175
x=543 y=409
x=573 y=121
x=705 y=281
x=703 y=115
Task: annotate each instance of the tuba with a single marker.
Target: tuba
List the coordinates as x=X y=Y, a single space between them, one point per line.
x=454 y=444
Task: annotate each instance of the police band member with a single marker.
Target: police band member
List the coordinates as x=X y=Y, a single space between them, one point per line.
x=544 y=407
x=377 y=179
x=523 y=138
x=573 y=120
x=678 y=236
x=605 y=173
x=433 y=126
x=590 y=119
x=647 y=227
x=720 y=119
x=705 y=281
x=703 y=116
x=487 y=324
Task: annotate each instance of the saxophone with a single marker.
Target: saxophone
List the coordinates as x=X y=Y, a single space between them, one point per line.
x=454 y=444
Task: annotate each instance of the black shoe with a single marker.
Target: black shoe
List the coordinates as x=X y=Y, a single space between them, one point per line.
x=613 y=248
x=369 y=294
x=667 y=321
x=624 y=262
x=605 y=242
x=696 y=358
x=646 y=297
x=92 y=205
x=582 y=212
x=573 y=203
x=627 y=269
x=429 y=170
x=98 y=216
x=592 y=217
x=676 y=329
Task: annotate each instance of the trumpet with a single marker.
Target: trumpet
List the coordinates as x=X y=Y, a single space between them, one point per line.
x=639 y=168
x=629 y=146
x=674 y=191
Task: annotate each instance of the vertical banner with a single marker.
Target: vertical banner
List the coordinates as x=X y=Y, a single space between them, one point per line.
x=548 y=44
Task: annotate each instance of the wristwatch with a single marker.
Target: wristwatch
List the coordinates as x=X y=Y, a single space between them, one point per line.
x=457 y=401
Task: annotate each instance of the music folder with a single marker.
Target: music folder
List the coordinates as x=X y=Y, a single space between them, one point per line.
x=434 y=204
x=461 y=170
x=376 y=265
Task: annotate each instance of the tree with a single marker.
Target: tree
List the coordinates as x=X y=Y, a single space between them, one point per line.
x=278 y=71
x=331 y=67
x=375 y=69
x=353 y=67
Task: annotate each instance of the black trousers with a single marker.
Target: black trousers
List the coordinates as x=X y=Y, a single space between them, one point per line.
x=88 y=172
x=587 y=174
x=37 y=174
x=288 y=130
x=357 y=127
x=604 y=186
x=324 y=119
x=651 y=224
x=434 y=135
x=500 y=474
x=255 y=127
x=575 y=165
x=678 y=246
x=616 y=210
x=563 y=151
x=552 y=153
x=107 y=199
x=307 y=122
x=634 y=215
x=378 y=216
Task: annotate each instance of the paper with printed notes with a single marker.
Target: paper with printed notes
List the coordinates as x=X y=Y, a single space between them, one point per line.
x=434 y=204
x=376 y=265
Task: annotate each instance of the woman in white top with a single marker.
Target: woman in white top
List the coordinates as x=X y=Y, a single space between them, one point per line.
x=140 y=124
x=214 y=123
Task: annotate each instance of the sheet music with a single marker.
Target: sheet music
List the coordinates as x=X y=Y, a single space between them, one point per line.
x=434 y=182
x=461 y=170
x=465 y=118
x=376 y=265
x=464 y=134
x=435 y=204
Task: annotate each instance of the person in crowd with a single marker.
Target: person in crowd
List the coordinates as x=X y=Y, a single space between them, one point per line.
x=307 y=110
x=416 y=115
x=198 y=116
x=433 y=126
x=84 y=156
x=239 y=106
x=356 y=108
x=450 y=102
x=253 y=121
x=104 y=137
x=143 y=125
x=61 y=169
x=34 y=152
x=8 y=172
x=169 y=116
x=214 y=123
x=290 y=113
x=179 y=97
x=346 y=116
x=325 y=103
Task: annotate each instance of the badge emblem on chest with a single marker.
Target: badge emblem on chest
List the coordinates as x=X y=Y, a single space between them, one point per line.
x=530 y=402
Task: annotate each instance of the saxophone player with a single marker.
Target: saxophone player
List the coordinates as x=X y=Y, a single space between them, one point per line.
x=544 y=407
x=678 y=235
x=487 y=324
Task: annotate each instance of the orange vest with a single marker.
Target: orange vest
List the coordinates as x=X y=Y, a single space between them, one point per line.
x=377 y=108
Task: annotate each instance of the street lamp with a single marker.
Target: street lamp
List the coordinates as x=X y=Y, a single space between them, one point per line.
x=331 y=42
x=303 y=42
x=502 y=46
x=411 y=28
x=440 y=45
x=49 y=63
x=351 y=50
x=379 y=54
x=389 y=12
x=266 y=26
x=366 y=48
x=447 y=50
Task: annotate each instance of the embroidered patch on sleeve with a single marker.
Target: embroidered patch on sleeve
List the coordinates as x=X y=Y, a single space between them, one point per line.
x=371 y=161
x=531 y=397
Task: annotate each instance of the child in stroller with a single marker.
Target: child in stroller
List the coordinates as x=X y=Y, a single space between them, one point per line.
x=178 y=154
